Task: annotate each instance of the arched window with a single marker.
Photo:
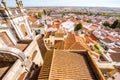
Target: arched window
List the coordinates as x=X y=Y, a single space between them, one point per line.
x=24 y=31
x=34 y=54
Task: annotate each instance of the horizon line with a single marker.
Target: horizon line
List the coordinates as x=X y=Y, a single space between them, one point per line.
x=69 y=6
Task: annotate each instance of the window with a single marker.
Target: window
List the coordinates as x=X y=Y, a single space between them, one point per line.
x=34 y=54
x=23 y=29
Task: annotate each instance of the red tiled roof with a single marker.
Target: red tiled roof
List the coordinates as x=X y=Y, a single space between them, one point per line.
x=54 y=26
x=95 y=55
x=94 y=27
x=72 y=40
x=32 y=19
x=88 y=39
x=37 y=25
x=70 y=66
x=115 y=57
x=111 y=38
x=85 y=23
x=93 y=37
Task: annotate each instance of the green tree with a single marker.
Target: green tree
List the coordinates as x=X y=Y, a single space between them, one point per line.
x=97 y=45
x=78 y=27
x=37 y=32
x=49 y=12
x=44 y=12
x=105 y=47
x=39 y=15
x=63 y=13
x=116 y=24
x=106 y=23
x=97 y=51
x=89 y=21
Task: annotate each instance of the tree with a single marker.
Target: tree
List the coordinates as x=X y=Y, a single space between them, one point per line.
x=37 y=32
x=116 y=24
x=63 y=14
x=39 y=15
x=97 y=45
x=89 y=21
x=78 y=27
x=97 y=51
x=44 y=12
x=106 y=23
x=49 y=12
x=106 y=48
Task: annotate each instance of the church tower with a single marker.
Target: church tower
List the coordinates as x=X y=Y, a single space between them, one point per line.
x=19 y=21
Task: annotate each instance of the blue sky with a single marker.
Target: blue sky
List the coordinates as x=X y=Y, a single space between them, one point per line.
x=90 y=3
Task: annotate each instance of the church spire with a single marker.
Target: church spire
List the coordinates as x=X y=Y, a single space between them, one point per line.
x=4 y=4
x=18 y=3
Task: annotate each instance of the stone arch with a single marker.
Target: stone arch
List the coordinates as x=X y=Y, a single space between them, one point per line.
x=7 y=57
x=6 y=62
x=14 y=52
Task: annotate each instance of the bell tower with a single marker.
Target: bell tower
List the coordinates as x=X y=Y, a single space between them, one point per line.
x=19 y=21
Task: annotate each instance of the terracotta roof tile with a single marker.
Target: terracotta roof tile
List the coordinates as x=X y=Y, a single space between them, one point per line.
x=54 y=26
x=93 y=37
x=59 y=44
x=107 y=40
x=111 y=38
x=115 y=57
x=116 y=49
x=73 y=42
x=45 y=70
x=88 y=39
x=32 y=19
x=76 y=46
x=94 y=27
x=69 y=65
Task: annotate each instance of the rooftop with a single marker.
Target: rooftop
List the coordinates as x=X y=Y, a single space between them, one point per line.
x=107 y=40
x=45 y=70
x=115 y=57
x=116 y=49
x=68 y=65
x=22 y=45
x=72 y=42
x=54 y=26
x=94 y=27
x=32 y=19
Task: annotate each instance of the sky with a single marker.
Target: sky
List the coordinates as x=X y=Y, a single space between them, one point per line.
x=87 y=3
